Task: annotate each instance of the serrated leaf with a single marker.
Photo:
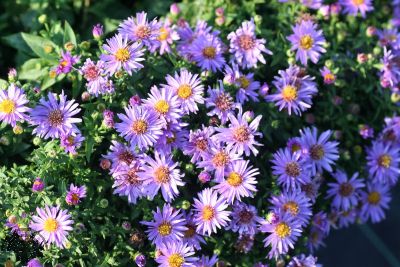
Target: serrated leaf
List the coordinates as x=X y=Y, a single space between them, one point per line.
x=69 y=35
x=37 y=44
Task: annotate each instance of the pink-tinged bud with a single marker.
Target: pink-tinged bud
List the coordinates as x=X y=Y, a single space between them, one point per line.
x=105 y=164
x=126 y=225
x=36 y=90
x=12 y=75
x=324 y=10
x=219 y=11
x=335 y=9
x=337 y=135
x=174 y=9
x=337 y=100
x=264 y=90
x=248 y=115
x=108 y=120
x=385 y=83
x=220 y=20
x=97 y=31
x=362 y=58
x=310 y=118
x=85 y=96
x=371 y=31
x=204 y=177
x=135 y=100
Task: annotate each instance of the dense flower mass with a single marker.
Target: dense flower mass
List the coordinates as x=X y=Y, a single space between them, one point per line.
x=187 y=144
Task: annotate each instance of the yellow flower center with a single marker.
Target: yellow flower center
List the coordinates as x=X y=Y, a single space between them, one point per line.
x=201 y=144
x=220 y=159
x=246 y=42
x=55 y=117
x=244 y=82
x=234 y=179
x=74 y=198
x=50 y=225
x=282 y=230
x=223 y=102
x=164 y=228
x=161 y=106
x=161 y=174
x=317 y=152
x=374 y=198
x=64 y=63
x=122 y=54
x=139 y=127
x=163 y=34
x=329 y=77
x=289 y=93
x=291 y=207
x=208 y=213
x=142 y=31
x=358 y=2
x=184 y=91
x=175 y=260
x=384 y=161
x=306 y=42
x=241 y=134
x=209 y=52
x=292 y=169
x=7 y=106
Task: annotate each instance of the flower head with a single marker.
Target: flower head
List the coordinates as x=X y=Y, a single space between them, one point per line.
x=66 y=62
x=13 y=105
x=352 y=7
x=127 y=181
x=70 y=142
x=374 y=202
x=75 y=194
x=207 y=52
x=328 y=76
x=176 y=254
x=244 y=219
x=164 y=103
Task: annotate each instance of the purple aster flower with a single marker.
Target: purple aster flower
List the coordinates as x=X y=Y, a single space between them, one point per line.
x=140 y=260
x=66 y=62
x=168 y=226
x=95 y=75
x=139 y=29
x=164 y=103
x=388 y=37
x=176 y=254
x=321 y=222
x=210 y=212
x=166 y=37
x=191 y=237
x=174 y=137
x=374 y=202
x=240 y=135
x=221 y=101
x=53 y=225
x=321 y=153
x=240 y=181
x=188 y=88
x=34 y=263
x=122 y=55
x=295 y=203
x=54 y=118
x=245 y=46
x=161 y=172
x=290 y=169
x=97 y=31
x=390 y=70
x=294 y=90
x=283 y=234
x=219 y=159
x=311 y=189
x=315 y=239
x=38 y=185
x=120 y=154
x=303 y=261
x=328 y=76
x=244 y=219
x=127 y=181
x=313 y=4
x=308 y=41
x=345 y=192
x=352 y=7
x=108 y=118
x=383 y=162
x=346 y=218
x=70 y=142
x=12 y=105
x=207 y=52
x=206 y=261
x=199 y=144
x=244 y=243
x=366 y=131
x=140 y=126
x=245 y=84
x=75 y=194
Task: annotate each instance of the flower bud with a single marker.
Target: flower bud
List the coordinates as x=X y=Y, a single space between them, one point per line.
x=97 y=31
x=371 y=31
x=220 y=20
x=42 y=18
x=17 y=129
x=103 y=203
x=174 y=9
x=105 y=164
x=85 y=96
x=204 y=177
x=69 y=46
x=362 y=58
x=12 y=75
x=126 y=225
x=219 y=11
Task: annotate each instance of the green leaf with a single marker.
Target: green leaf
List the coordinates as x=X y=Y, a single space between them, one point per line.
x=3 y=84
x=37 y=44
x=33 y=69
x=89 y=147
x=69 y=35
x=16 y=41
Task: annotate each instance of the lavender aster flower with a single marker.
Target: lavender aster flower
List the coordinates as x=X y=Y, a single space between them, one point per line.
x=164 y=103
x=245 y=46
x=188 y=88
x=53 y=225
x=207 y=52
x=53 y=117
x=120 y=154
x=240 y=181
x=244 y=219
x=140 y=126
x=34 y=263
x=294 y=90
x=70 y=142
x=75 y=194
x=127 y=182
x=122 y=55
x=176 y=254
x=240 y=135
x=366 y=131
x=347 y=218
x=304 y=261
x=97 y=31
x=308 y=41
x=328 y=76
x=210 y=212
x=95 y=75
x=139 y=29
x=140 y=260
x=166 y=37
x=374 y=202
x=352 y=7
x=290 y=169
x=66 y=62
x=191 y=237
x=168 y=226
x=174 y=137
x=206 y=261
x=383 y=162
x=160 y=172
x=12 y=105
x=245 y=84
x=321 y=153
x=221 y=102
x=199 y=144
x=345 y=192
x=283 y=234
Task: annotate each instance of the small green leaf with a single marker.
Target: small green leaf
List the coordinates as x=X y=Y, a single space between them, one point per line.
x=69 y=35
x=38 y=44
x=89 y=147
